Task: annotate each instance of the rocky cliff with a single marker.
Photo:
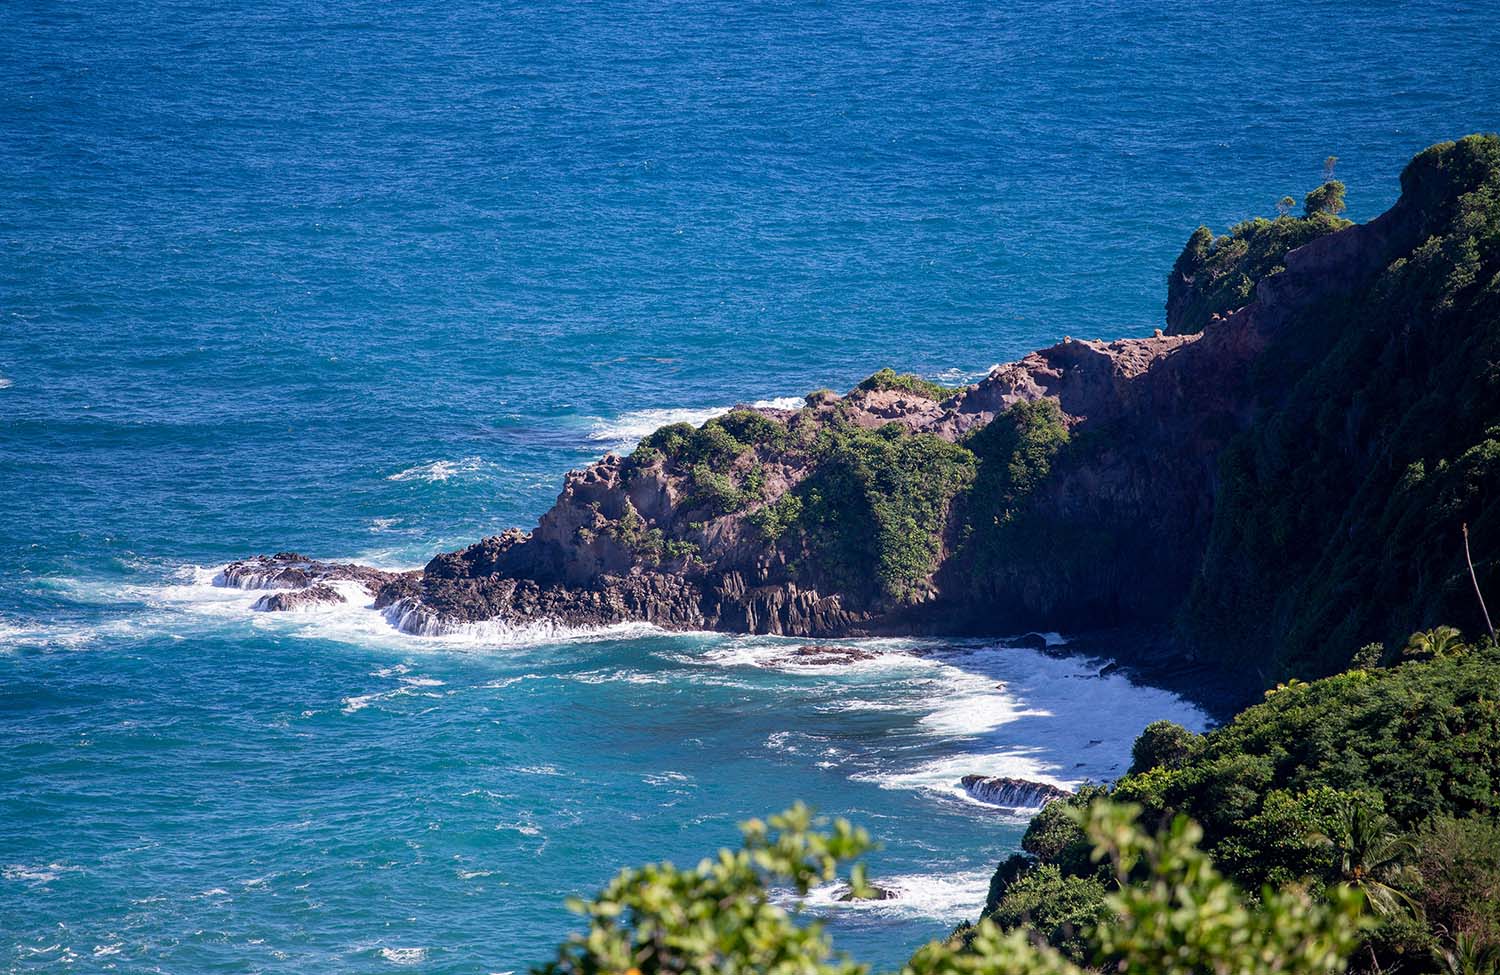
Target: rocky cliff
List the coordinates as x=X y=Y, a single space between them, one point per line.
x=1088 y=484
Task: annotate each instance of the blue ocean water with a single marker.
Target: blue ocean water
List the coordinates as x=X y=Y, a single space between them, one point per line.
x=364 y=279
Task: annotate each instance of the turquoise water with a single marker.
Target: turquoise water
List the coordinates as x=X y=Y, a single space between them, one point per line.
x=363 y=280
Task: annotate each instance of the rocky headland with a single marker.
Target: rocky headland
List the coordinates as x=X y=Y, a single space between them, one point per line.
x=1214 y=481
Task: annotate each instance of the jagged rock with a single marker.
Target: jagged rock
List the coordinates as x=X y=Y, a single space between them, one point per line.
x=1011 y=793
x=280 y=602
x=813 y=655
x=289 y=570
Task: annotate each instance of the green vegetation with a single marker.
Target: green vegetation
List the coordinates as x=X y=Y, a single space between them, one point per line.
x=908 y=383
x=1014 y=454
x=775 y=519
x=1338 y=517
x=879 y=498
x=1163 y=744
x=876 y=499
x=1326 y=200
x=651 y=545
x=1383 y=780
x=711 y=455
x=1216 y=275
x=716 y=443
x=1169 y=913
x=1060 y=907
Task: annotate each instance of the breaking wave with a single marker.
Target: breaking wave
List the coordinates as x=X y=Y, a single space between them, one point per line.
x=441 y=470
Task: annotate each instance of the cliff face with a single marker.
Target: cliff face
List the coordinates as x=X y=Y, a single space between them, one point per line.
x=1083 y=486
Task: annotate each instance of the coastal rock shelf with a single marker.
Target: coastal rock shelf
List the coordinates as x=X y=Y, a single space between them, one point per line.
x=1011 y=793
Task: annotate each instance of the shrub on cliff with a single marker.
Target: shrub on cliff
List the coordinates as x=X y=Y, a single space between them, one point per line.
x=1171 y=914
x=1215 y=275
x=1163 y=744
x=1014 y=454
x=1061 y=908
x=909 y=383
x=1326 y=200
x=716 y=444
x=879 y=499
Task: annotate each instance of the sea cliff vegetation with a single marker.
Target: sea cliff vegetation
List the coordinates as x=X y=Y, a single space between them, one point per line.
x=1217 y=275
x=1338 y=515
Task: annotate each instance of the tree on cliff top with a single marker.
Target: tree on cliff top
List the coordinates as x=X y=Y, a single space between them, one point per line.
x=1328 y=199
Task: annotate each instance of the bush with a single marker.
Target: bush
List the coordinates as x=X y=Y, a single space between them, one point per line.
x=1326 y=199
x=650 y=545
x=908 y=383
x=1011 y=869
x=716 y=492
x=880 y=499
x=1459 y=862
x=1216 y=275
x=1163 y=744
x=715 y=444
x=775 y=519
x=1059 y=908
x=1054 y=835
x=1014 y=454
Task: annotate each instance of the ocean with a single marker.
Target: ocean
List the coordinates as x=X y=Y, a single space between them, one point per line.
x=363 y=280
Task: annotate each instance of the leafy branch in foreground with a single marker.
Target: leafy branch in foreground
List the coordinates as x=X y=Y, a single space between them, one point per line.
x=1171 y=914
x=720 y=917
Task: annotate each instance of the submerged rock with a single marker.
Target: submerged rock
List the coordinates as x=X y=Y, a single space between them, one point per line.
x=1012 y=793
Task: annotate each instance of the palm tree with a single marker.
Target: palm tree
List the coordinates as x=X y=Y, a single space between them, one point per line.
x=1372 y=858
x=1438 y=642
x=1470 y=956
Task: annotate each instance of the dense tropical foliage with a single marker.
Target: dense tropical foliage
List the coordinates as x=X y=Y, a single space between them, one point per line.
x=1382 y=779
x=1339 y=513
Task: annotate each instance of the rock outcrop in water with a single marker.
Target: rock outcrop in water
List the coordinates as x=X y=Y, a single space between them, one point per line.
x=1001 y=790
x=315 y=595
x=1082 y=486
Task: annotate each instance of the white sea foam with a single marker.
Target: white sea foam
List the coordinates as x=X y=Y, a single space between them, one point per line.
x=1024 y=714
x=775 y=653
x=36 y=875
x=628 y=428
x=956 y=376
x=355 y=621
x=414 y=621
x=985 y=709
x=5 y=383
x=957 y=894
x=404 y=956
x=441 y=470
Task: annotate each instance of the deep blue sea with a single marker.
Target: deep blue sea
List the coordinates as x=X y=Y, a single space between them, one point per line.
x=364 y=279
